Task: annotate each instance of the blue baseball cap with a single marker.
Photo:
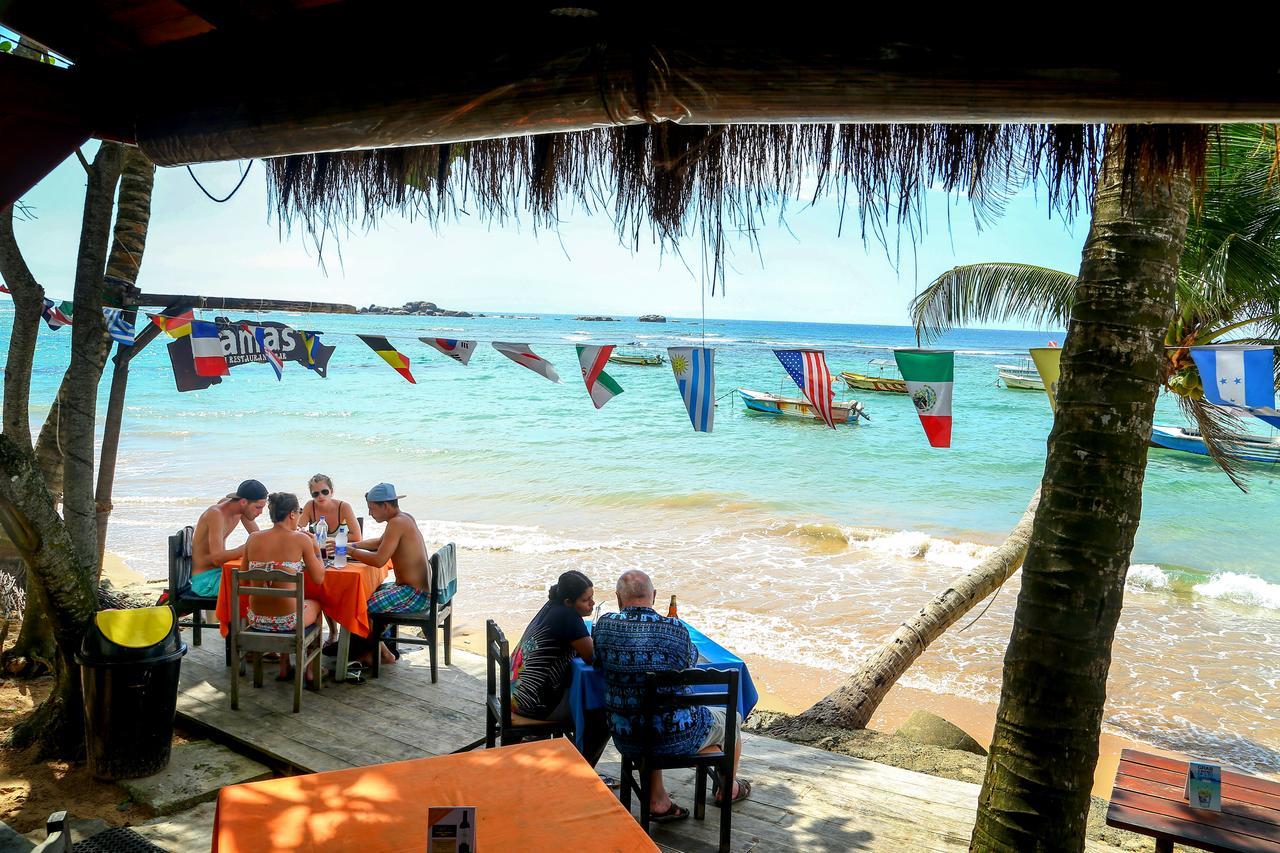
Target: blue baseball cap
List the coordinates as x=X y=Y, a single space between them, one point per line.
x=382 y=493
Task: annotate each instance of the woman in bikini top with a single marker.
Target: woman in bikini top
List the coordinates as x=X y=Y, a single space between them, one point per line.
x=283 y=546
x=324 y=504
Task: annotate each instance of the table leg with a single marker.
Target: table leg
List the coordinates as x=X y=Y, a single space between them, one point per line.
x=344 y=652
x=1164 y=845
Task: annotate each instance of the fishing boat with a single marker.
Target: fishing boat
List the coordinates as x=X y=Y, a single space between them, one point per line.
x=1251 y=448
x=842 y=411
x=646 y=360
x=880 y=382
x=1023 y=377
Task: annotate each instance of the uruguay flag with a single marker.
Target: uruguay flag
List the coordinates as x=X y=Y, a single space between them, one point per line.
x=694 y=368
x=206 y=349
x=1239 y=377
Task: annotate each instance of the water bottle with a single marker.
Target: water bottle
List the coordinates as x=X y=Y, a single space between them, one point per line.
x=340 y=547
x=322 y=532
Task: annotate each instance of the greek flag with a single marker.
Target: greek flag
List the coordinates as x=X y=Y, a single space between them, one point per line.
x=121 y=330
x=695 y=372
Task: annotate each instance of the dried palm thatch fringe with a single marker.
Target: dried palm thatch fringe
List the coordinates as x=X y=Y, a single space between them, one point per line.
x=682 y=181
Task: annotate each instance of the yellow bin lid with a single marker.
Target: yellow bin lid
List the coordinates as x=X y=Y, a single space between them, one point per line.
x=136 y=628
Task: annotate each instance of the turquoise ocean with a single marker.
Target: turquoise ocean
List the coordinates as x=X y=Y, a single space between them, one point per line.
x=798 y=546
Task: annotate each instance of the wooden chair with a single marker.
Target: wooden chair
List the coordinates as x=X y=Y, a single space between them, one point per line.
x=660 y=696
x=444 y=583
x=299 y=643
x=501 y=724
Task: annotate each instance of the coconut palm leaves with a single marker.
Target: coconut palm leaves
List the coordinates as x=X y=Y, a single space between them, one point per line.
x=1228 y=286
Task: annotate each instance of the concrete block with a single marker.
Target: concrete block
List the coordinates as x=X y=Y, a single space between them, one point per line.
x=196 y=772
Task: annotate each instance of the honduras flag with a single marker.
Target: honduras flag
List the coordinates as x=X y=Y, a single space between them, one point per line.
x=120 y=329
x=695 y=371
x=1239 y=377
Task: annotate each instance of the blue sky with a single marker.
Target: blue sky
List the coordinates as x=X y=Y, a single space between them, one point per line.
x=805 y=270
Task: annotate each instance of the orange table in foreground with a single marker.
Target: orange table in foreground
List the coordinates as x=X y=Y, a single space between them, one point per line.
x=532 y=796
x=344 y=596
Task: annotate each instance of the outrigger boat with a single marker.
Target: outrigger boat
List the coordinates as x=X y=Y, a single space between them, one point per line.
x=1020 y=378
x=1251 y=448
x=863 y=382
x=646 y=360
x=842 y=411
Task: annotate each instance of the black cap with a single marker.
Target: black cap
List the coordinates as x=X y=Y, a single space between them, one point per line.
x=251 y=490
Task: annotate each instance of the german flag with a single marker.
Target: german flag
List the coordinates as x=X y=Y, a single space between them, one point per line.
x=398 y=360
x=174 y=327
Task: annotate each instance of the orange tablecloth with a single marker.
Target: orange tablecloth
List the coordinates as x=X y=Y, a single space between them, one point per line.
x=532 y=796
x=343 y=596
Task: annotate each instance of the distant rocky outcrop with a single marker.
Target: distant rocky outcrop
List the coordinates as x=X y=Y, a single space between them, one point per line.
x=417 y=309
x=596 y=319
x=651 y=318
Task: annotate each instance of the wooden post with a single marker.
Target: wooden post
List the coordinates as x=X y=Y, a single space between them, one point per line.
x=115 y=416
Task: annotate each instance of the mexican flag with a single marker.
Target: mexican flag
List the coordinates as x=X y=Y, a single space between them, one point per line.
x=600 y=385
x=929 y=375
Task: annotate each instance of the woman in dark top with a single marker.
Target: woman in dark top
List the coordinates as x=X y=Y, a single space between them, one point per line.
x=541 y=665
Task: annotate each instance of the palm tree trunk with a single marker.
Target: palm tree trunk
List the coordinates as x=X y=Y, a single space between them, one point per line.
x=28 y=299
x=60 y=551
x=854 y=703
x=1036 y=792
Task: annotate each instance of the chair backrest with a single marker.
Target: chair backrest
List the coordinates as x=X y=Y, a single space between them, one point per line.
x=180 y=545
x=444 y=575
x=245 y=582
x=674 y=689
x=498 y=659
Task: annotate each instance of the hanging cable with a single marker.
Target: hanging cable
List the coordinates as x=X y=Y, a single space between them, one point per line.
x=244 y=175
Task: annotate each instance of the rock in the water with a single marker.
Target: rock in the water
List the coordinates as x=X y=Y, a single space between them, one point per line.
x=651 y=318
x=932 y=730
x=596 y=319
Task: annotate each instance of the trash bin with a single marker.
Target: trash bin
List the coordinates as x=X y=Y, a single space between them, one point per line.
x=129 y=665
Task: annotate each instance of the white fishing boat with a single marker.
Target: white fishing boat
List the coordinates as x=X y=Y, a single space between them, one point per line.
x=1251 y=448
x=1023 y=377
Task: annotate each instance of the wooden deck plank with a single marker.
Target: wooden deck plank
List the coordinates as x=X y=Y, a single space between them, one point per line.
x=803 y=799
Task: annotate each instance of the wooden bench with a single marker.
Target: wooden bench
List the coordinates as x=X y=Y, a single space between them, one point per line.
x=1148 y=797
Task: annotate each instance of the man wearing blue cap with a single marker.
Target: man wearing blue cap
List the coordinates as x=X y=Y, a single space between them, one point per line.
x=401 y=542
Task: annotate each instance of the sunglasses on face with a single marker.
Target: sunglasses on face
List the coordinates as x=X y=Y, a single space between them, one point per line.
x=319 y=493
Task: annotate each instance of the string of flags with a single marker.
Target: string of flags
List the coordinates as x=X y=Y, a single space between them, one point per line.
x=1237 y=377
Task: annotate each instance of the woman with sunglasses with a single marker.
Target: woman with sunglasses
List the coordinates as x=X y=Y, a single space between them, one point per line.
x=324 y=504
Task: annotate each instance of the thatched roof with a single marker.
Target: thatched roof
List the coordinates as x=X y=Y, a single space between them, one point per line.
x=678 y=181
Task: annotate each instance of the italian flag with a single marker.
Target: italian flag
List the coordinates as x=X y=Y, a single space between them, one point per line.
x=600 y=385
x=929 y=375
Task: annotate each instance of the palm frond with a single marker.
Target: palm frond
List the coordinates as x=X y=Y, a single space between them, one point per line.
x=985 y=293
x=1216 y=426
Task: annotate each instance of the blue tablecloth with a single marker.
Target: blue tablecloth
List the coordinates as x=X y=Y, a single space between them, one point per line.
x=586 y=686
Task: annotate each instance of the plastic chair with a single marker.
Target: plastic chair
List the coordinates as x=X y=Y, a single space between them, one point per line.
x=501 y=724
x=444 y=583
x=299 y=643
x=661 y=695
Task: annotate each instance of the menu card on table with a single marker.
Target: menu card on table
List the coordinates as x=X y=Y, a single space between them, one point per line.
x=451 y=829
x=1204 y=785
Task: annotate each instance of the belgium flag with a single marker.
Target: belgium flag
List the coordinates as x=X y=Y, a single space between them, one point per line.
x=389 y=354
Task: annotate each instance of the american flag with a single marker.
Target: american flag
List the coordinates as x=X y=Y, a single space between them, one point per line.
x=808 y=367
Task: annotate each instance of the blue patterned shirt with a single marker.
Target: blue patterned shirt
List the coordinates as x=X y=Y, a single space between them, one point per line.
x=629 y=644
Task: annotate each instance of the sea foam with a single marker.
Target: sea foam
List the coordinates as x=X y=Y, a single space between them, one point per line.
x=1241 y=589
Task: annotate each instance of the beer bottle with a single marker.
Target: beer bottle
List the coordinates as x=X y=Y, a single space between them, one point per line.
x=671 y=611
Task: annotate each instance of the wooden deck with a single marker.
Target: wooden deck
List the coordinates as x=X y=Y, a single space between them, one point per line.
x=802 y=798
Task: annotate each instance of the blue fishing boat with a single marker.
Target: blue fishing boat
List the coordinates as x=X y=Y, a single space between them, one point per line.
x=1251 y=448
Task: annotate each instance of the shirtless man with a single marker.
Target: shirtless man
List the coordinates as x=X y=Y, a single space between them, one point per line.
x=209 y=546
x=402 y=543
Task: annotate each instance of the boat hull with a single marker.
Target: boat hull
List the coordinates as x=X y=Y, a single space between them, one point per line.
x=1248 y=448
x=1017 y=379
x=640 y=360
x=862 y=382
x=790 y=407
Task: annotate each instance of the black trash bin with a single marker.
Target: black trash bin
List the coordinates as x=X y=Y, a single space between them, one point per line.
x=129 y=665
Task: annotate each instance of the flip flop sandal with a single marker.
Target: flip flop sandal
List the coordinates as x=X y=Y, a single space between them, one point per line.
x=744 y=790
x=676 y=812
x=610 y=781
x=355 y=673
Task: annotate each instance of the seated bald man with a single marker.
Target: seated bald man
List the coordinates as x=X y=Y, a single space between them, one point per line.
x=636 y=640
